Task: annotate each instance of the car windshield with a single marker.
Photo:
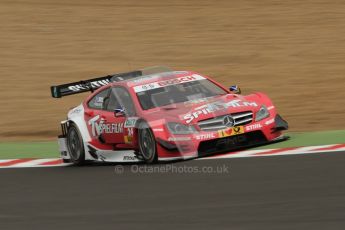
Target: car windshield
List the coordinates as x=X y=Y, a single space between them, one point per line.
x=153 y=97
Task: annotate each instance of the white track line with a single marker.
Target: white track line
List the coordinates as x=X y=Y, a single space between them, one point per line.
x=279 y=152
x=56 y=162
x=39 y=162
x=34 y=163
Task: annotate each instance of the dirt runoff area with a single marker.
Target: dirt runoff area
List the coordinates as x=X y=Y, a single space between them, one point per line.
x=292 y=50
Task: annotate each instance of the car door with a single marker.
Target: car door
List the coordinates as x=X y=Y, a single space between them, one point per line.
x=95 y=116
x=118 y=109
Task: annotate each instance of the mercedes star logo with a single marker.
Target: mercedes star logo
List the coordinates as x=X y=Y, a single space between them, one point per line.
x=228 y=121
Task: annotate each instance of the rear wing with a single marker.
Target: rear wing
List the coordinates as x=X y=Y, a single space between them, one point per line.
x=91 y=84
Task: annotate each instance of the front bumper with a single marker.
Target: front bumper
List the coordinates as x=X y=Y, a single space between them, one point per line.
x=280 y=123
x=208 y=143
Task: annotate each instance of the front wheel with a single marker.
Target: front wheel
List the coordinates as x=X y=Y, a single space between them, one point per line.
x=147 y=144
x=75 y=145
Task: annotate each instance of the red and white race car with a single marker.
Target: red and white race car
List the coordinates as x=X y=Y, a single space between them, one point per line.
x=152 y=115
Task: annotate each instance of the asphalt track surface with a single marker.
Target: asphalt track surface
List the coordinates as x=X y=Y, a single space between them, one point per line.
x=284 y=192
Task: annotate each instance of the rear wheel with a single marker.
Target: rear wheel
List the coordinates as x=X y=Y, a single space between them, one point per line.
x=75 y=145
x=147 y=144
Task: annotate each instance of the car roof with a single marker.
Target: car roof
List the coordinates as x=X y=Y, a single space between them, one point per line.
x=151 y=78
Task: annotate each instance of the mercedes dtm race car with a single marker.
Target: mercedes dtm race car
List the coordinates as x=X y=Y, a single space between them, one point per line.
x=161 y=115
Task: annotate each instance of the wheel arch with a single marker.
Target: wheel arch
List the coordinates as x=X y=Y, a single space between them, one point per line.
x=141 y=125
x=76 y=116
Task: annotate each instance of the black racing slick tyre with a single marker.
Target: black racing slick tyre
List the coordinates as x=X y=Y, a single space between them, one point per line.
x=75 y=145
x=147 y=144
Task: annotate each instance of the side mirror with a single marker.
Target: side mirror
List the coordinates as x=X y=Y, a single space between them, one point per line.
x=235 y=89
x=120 y=112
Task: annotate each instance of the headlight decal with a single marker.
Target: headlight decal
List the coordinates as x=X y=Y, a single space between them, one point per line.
x=179 y=128
x=262 y=113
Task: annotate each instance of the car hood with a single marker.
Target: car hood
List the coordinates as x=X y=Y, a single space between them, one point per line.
x=193 y=111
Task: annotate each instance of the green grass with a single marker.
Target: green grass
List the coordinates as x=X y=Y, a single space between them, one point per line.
x=310 y=139
x=29 y=150
x=50 y=149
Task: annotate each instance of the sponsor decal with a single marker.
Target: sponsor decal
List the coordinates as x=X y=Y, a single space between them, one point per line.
x=270 y=121
x=93 y=84
x=231 y=131
x=180 y=80
x=205 y=136
x=174 y=81
x=217 y=106
x=240 y=103
x=128 y=139
x=158 y=130
x=130 y=158
x=76 y=111
x=253 y=127
x=130 y=122
x=203 y=111
x=98 y=126
x=179 y=139
x=130 y=132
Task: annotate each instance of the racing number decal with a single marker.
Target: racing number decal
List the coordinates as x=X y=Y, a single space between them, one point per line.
x=231 y=131
x=129 y=137
x=238 y=130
